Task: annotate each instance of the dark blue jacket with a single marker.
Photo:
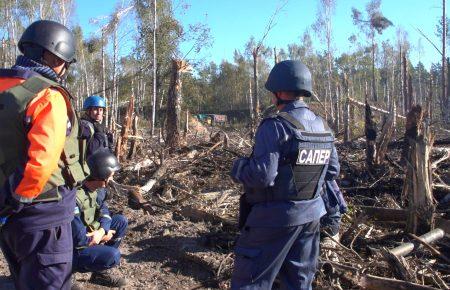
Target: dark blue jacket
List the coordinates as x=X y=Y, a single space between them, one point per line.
x=79 y=229
x=95 y=135
x=272 y=144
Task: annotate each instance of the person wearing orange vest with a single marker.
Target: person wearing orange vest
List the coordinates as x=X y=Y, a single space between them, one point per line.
x=40 y=160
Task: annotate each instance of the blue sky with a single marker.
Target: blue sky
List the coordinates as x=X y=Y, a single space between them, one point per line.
x=233 y=22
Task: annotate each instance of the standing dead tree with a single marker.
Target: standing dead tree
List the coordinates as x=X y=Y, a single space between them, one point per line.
x=376 y=150
x=134 y=140
x=174 y=105
x=256 y=51
x=417 y=186
x=371 y=137
x=121 y=146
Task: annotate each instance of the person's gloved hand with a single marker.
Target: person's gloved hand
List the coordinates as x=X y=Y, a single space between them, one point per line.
x=237 y=168
x=106 y=238
x=96 y=236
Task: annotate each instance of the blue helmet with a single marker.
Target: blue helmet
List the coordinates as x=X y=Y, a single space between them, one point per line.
x=94 y=101
x=290 y=76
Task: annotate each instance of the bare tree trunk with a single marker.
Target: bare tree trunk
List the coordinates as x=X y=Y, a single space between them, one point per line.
x=402 y=83
x=347 y=135
x=374 y=85
x=255 y=55
x=405 y=93
x=385 y=137
x=371 y=137
x=85 y=71
x=417 y=184
x=154 y=70
x=114 y=77
x=430 y=108
x=250 y=100
x=174 y=106
x=275 y=55
x=444 y=102
x=108 y=103
x=337 y=119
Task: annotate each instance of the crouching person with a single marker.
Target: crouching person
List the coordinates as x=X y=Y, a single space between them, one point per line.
x=97 y=234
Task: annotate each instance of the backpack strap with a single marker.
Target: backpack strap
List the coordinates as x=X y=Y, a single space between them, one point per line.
x=292 y=120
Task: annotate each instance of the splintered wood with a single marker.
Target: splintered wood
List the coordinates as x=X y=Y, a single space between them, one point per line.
x=418 y=183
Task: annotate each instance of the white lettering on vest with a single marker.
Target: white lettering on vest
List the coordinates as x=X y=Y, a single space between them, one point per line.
x=313 y=156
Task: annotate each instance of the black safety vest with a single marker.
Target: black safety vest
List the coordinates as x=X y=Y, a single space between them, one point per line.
x=301 y=173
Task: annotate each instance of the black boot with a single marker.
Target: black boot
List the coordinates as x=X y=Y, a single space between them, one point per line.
x=106 y=278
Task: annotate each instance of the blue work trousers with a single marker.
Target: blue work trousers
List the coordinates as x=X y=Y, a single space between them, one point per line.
x=102 y=257
x=290 y=252
x=40 y=259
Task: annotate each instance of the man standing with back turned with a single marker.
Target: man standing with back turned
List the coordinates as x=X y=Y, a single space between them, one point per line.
x=40 y=164
x=283 y=180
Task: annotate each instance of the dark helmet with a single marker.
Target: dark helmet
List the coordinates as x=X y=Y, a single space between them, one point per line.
x=94 y=101
x=51 y=36
x=290 y=76
x=102 y=164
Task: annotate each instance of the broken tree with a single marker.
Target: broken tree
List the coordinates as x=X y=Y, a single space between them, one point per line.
x=174 y=105
x=418 y=183
x=121 y=146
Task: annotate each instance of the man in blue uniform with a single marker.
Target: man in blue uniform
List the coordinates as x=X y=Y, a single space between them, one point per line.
x=283 y=180
x=97 y=234
x=92 y=127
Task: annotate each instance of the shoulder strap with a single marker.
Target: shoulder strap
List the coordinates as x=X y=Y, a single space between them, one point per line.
x=89 y=125
x=292 y=120
x=31 y=87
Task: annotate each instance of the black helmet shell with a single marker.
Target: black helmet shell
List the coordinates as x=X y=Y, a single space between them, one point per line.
x=52 y=36
x=290 y=76
x=102 y=164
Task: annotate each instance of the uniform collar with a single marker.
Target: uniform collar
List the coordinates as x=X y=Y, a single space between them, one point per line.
x=294 y=105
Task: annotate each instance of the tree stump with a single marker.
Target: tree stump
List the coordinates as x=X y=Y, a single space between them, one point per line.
x=418 y=183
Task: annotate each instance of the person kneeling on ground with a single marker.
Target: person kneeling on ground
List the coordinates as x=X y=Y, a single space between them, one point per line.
x=96 y=234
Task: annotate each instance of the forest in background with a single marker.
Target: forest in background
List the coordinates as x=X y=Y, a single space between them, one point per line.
x=379 y=71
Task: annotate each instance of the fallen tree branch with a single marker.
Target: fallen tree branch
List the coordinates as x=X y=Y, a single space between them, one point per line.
x=406 y=248
x=375 y=108
x=342 y=246
x=443 y=158
x=385 y=214
x=371 y=282
x=430 y=247
x=135 y=198
x=155 y=177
